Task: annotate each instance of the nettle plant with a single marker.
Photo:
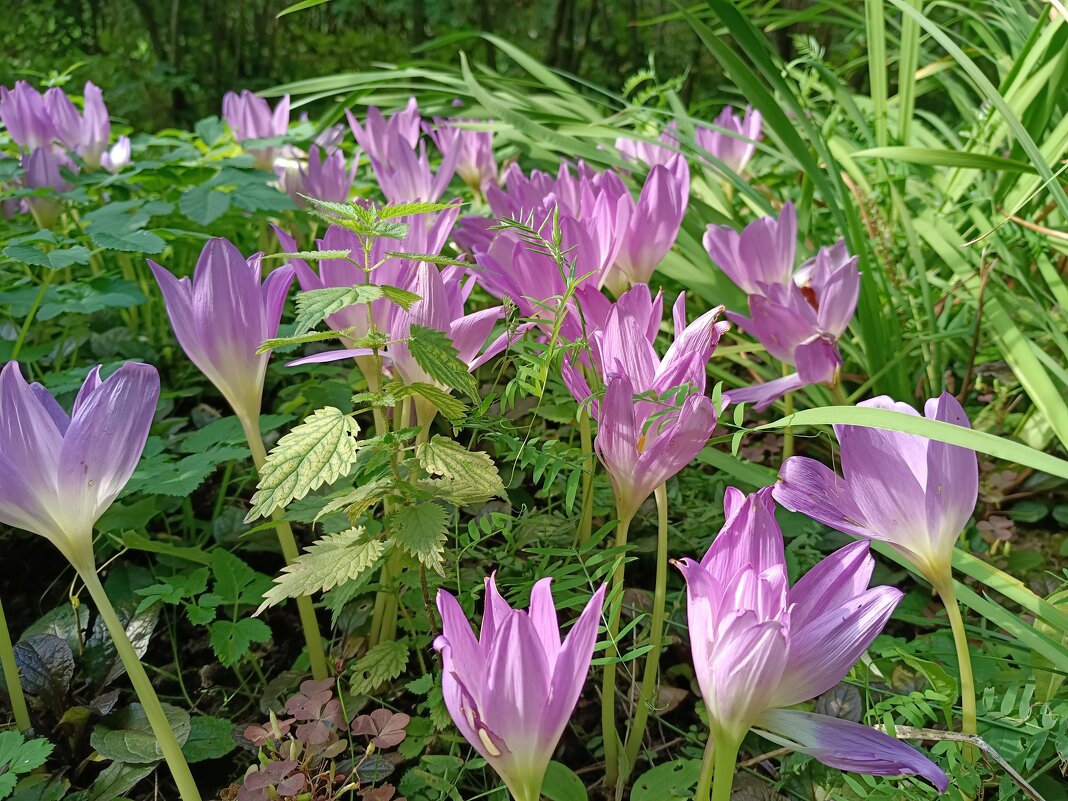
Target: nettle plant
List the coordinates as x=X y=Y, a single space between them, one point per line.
x=416 y=478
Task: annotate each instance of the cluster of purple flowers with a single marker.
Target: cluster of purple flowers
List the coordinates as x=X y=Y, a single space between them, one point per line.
x=758 y=644
x=52 y=135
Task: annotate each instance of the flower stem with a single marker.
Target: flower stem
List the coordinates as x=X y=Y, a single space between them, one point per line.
x=146 y=694
x=648 y=695
x=704 y=780
x=969 y=722
x=30 y=315
x=723 y=777
x=608 y=688
x=589 y=465
x=11 y=675
x=788 y=434
x=305 y=609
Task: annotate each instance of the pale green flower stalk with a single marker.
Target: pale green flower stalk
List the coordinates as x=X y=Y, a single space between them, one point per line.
x=59 y=473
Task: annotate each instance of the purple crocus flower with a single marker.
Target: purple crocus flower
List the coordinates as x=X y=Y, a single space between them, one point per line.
x=222 y=315
x=59 y=473
x=650 y=153
x=760 y=646
x=326 y=177
x=377 y=135
x=42 y=168
x=911 y=492
x=734 y=151
x=24 y=114
x=511 y=691
x=87 y=133
x=399 y=156
x=623 y=333
x=475 y=163
x=250 y=117
x=652 y=224
x=797 y=315
x=642 y=443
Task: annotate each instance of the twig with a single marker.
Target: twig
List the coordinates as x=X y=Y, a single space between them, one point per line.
x=913 y=733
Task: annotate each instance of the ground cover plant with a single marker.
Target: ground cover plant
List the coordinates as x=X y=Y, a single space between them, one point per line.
x=477 y=431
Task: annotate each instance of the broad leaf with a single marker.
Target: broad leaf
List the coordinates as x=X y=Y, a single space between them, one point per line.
x=466 y=477
x=333 y=560
x=420 y=530
x=382 y=663
x=435 y=353
x=318 y=451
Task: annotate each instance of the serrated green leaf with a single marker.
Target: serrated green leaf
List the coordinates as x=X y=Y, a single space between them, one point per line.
x=204 y=204
x=333 y=560
x=466 y=477
x=358 y=501
x=316 y=305
x=18 y=755
x=393 y=211
x=312 y=255
x=314 y=336
x=231 y=640
x=398 y=296
x=453 y=408
x=317 y=451
x=420 y=530
x=429 y=258
x=435 y=353
x=382 y=663
x=390 y=230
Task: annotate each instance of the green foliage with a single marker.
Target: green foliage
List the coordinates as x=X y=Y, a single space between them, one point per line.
x=434 y=352
x=333 y=560
x=385 y=662
x=18 y=756
x=462 y=477
x=318 y=451
x=420 y=530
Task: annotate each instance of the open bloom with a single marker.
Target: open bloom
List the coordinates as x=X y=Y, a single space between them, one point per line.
x=87 y=133
x=222 y=315
x=760 y=646
x=26 y=117
x=643 y=443
x=250 y=117
x=798 y=315
x=59 y=473
x=734 y=151
x=511 y=691
x=325 y=178
x=399 y=155
x=475 y=163
x=912 y=492
x=652 y=225
x=623 y=334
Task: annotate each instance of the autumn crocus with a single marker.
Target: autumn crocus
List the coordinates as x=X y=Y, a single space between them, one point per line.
x=220 y=317
x=798 y=315
x=222 y=314
x=760 y=646
x=511 y=690
x=326 y=177
x=475 y=163
x=910 y=492
x=735 y=142
x=60 y=472
x=251 y=117
x=26 y=117
x=87 y=133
